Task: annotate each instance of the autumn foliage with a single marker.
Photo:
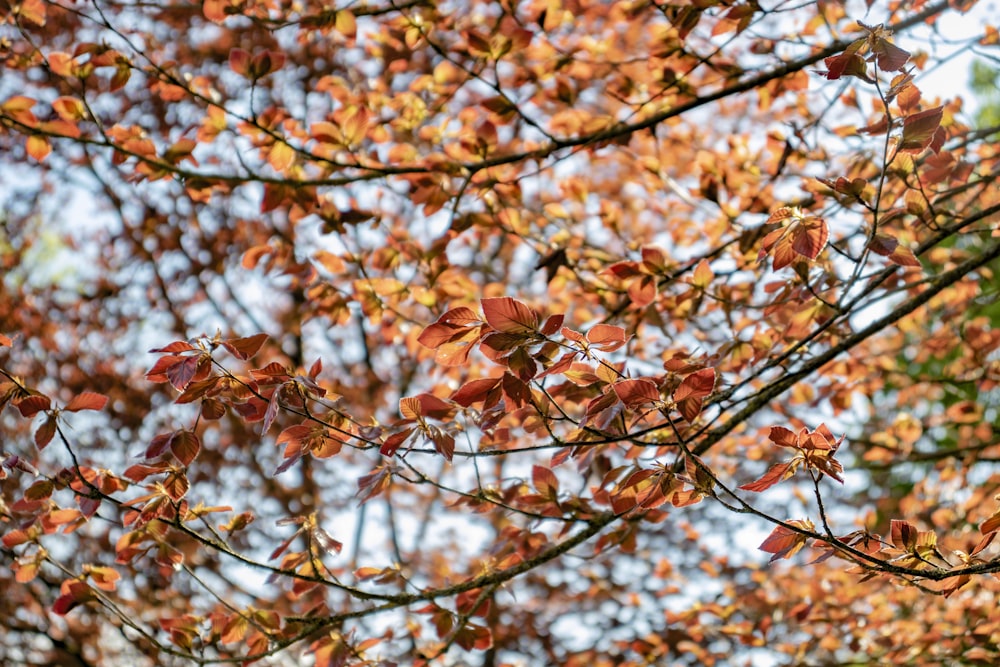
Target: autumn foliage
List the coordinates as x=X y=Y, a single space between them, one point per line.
x=496 y=333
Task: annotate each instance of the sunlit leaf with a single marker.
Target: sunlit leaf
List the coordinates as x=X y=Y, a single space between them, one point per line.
x=510 y=316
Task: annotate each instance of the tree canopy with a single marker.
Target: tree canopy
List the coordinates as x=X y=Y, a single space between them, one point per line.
x=496 y=332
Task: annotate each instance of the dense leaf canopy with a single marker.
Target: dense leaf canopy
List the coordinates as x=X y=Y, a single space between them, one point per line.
x=496 y=332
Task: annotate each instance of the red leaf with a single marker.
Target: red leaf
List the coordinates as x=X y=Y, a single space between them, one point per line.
x=17 y=537
x=395 y=441
x=74 y=594
x=293 y=435
x=87 y=400
x=690 y=408
x=176 y=485
x=891 y=58
x=509 y=316
x=919 y=129
x=272 y=411
x=474 y=637
x=846 y=64
x=696 y=385
x=273 y=373
x=244 y=348
x=883 y=244
x=425 y=405
x=239 y=61
x=180 y=374
x=777 y=473
x=444 y=443
x=32 y=405
x=64 y=604
x=642 y=292
x=636 y=392
x=809 y=237
x=185 y=445
x=176 y=347
x=141 y=471
x=158 y=372
x=784 y=542
x=475 y=391
x=159 y=445
x=545 y=481
x=553 y=324
x=197 y=389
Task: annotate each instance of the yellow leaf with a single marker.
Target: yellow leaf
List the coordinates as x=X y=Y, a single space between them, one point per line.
x=38 y=147
x=281 y=156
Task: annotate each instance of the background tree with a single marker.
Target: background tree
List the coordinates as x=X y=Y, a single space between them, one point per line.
x=495 y=333
x=985 y=83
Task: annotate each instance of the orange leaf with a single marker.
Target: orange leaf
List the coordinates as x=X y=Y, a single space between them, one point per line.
x=642 y=291
x=783 y=437
x=545 y=481
x=779 y=472
x=32 y=10
x=87 y=400
x=903 y=535
x=440 y=333
x=991 y=524
x=281 y=156
x=606 y=337
x=703 y=275
x=69 y=108
x=510 y=316
x=784 y=542
x=38 y=147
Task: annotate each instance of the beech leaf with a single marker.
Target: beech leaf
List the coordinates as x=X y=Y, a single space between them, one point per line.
x=87 y=400
x=919 y=129
x=638 y=392
x=510 y=316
